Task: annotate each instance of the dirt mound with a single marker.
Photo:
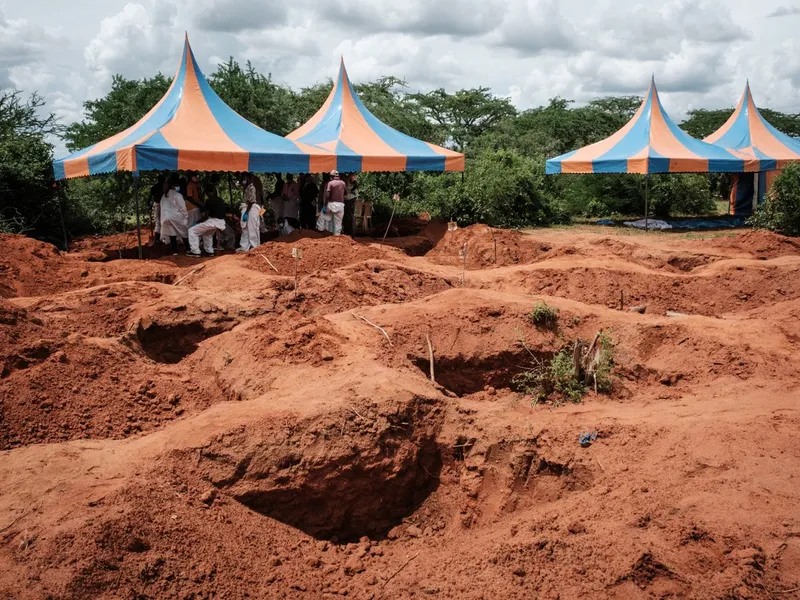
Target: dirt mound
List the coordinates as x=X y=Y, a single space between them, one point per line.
x=486 y=247
x=649 y=257
x=760 y=243
x=320 y=254
x=722 y=289
x=32 y=268
x=363 y=284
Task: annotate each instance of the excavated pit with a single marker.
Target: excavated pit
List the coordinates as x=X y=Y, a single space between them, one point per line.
x=170 y=344
x=464 y=376
x=342 y=503
x=340 y=476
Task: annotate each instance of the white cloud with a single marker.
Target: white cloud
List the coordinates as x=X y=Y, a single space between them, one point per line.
x=21 y=43
x=132 y=42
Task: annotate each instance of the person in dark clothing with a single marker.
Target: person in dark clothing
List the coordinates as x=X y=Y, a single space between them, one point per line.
x=154 y=201
x=308 y=202
x=276 y=199
x=350 y=199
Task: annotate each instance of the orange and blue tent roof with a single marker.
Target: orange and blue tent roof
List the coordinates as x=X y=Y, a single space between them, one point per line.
x=748 y=132
x=191 y=128
x=361 y=142
x=652 y=142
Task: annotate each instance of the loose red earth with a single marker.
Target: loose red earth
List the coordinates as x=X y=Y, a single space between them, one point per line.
x=220 y=428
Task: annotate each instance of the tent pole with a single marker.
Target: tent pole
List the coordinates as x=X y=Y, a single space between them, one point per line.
x=646 y=201
x=230 y=190
x=756 y=190
x=138 y=218
x=61 y=215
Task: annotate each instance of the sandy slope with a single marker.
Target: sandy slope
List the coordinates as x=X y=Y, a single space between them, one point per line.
x=229 y=438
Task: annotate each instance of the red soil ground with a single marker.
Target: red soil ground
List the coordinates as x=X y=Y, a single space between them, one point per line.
x=172 y=428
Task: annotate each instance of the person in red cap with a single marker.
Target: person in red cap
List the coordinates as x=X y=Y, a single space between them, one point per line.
x=333 y=209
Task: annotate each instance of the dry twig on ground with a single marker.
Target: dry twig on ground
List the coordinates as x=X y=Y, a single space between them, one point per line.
x=381 y=329
x=192 y=272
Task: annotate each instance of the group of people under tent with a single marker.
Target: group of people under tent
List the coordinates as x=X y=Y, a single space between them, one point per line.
x=188 y=210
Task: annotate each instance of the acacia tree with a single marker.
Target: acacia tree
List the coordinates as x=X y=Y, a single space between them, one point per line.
x=28 y=202
x=466 y=114
x=127 y=102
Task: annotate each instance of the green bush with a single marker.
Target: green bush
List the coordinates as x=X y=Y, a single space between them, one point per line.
x=563 y=378
x=501 y=188
x=681 y=194
x=543 y=315
x=781 y=210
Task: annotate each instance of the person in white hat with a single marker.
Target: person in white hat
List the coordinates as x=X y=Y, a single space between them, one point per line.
x=333 y=208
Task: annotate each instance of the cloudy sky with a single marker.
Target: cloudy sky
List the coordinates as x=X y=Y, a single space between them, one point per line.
x=700 y=51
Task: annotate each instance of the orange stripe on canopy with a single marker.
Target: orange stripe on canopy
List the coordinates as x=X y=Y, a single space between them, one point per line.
x=639 y=162
x=361 y=139
x=199 y=145
x=664 y=143
x=581 y=160
x=761 y=138
x=314 y=120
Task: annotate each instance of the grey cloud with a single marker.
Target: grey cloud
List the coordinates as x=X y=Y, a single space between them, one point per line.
x=234 y=16
x=785 y=11
x=653 y=32
x=695 y=70
x=416 y=17
x=533 y=28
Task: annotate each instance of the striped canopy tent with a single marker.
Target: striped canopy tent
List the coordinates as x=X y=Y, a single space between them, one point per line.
x=191 y=128
x=363 y=143
x=748 y=132
x=652 y=142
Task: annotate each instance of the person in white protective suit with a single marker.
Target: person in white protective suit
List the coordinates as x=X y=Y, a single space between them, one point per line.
x=174 y=216
x=215 y=208
x=250 y=218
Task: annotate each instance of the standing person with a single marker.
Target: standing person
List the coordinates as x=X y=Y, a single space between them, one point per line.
x=326 y=179
x=334 y=202
x=194 y=203
x=291 y=201
x=276 y=198
x=174 y=215
x=206 y=230
x=256 y=179
x=250 y=218
x=350 y=199
x=308 y=202
x=156 y=192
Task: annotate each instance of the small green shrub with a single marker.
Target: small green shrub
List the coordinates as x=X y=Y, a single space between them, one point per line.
x=781 y=210
x=563 y=378
x=532 y=382
x=602 y=372
x=543 y=315
x=542 y=378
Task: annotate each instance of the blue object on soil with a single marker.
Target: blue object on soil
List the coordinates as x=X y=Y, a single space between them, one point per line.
x=586 y=439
